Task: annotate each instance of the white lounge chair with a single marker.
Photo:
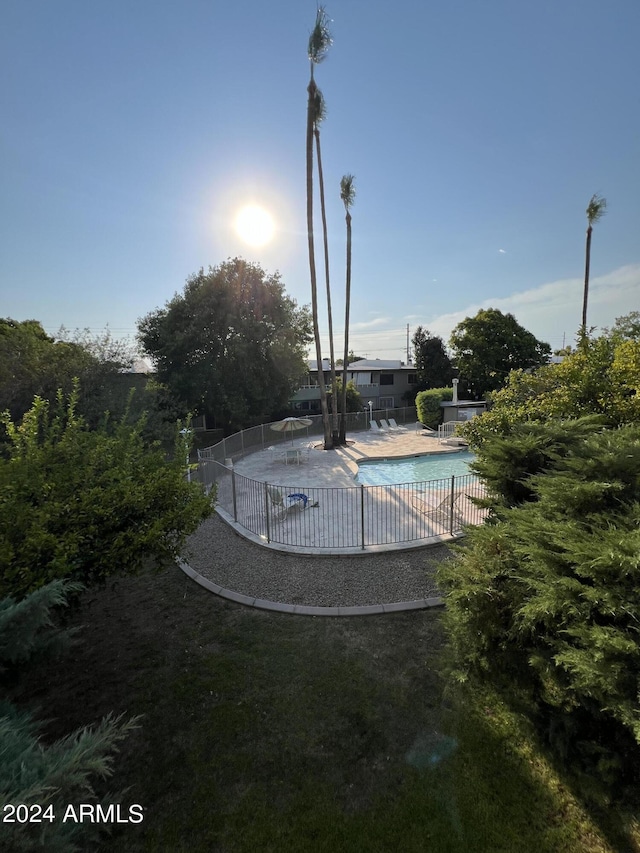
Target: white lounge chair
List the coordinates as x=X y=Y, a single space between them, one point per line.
x=395 y=426
x=384 y=425
x=297 y=502
x=441 y=512
x=374 y=427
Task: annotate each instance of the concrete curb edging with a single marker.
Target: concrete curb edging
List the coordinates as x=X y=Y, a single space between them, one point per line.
x=304 y=609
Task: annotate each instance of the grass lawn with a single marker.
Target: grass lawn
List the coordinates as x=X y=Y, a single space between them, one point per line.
x=267 y=732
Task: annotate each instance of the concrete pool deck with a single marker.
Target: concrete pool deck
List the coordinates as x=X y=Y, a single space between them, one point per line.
x=302 y=573
x=339 y=516
x=334 y=468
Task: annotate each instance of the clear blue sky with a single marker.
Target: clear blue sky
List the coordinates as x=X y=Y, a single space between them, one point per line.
x=132 y=132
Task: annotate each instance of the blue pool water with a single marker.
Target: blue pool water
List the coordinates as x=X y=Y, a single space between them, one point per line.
x=414 y=470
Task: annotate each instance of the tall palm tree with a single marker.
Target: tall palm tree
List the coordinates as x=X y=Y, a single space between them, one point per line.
x=319 y=43
x=320 y=112
x=348 y=195
x=595 y=211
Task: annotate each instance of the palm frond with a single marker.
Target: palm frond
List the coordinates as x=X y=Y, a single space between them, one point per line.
x=596 y=208
x=347 y=191
x=318 y=108
x=320 y=39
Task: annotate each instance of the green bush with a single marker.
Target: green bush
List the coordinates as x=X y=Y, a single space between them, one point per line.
x=84 y=504
x=428 y=405
x=546 y=596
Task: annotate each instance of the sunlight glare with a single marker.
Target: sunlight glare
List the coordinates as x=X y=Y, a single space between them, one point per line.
x=254 y=225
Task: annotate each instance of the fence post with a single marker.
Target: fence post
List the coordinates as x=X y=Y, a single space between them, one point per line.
x=266 y=509
x=233 y=491
x=362 y=514
x=453 y=481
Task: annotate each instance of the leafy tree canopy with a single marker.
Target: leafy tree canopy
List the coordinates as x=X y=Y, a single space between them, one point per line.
x=354 y=397
x=351 y=358
x=232 y=345
x=600 y=377
x=433 y=365
x=490 y=345
x=35 y=364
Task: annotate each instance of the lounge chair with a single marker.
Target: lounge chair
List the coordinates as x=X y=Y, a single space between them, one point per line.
x=441 y=512
x=384 y=425
x=283 y=506
x=394 y=426
x=374 y=427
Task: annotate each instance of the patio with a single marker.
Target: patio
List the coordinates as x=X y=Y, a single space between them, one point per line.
x=341 y=516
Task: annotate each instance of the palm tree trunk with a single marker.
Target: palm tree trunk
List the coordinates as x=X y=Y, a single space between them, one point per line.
x=586 y=281
x=343 y=419
x=312 y=267
x=334 y=394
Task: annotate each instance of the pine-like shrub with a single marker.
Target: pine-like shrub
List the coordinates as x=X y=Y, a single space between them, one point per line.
x=44 y=780
x=548 y=595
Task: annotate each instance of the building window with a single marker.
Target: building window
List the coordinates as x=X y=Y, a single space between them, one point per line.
x=386 y=403
x=412 y=379
x=386 y=378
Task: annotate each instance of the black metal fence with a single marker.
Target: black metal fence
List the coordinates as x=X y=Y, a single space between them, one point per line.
x=346 y=517
x=247 y=440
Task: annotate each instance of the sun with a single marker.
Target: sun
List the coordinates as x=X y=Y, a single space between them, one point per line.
x=254 y=225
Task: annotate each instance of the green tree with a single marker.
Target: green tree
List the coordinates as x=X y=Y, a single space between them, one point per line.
x=595 y=211
x=83 y=504
x=232 y=346
x=351 y=357
x=600 y=377
x=490 y=345
x=349 y=402
x=33 y=363
x=319 y=43
x=348 y=195
x=433 y=365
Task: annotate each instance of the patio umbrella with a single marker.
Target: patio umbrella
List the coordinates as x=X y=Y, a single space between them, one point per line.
x=291 y=424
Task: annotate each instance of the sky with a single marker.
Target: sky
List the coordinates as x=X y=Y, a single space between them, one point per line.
x=133 y=133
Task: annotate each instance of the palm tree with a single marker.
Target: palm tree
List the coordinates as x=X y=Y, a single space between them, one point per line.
x=319 y=43
x=348 y=195
x=320 y=112
x=595 y=211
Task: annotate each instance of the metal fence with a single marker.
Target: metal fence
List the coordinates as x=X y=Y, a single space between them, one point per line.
x=247 y=440
x=351 y=517
x=346 y=517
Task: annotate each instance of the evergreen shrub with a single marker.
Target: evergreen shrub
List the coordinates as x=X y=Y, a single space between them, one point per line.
x=546 y=596
x=428 y=405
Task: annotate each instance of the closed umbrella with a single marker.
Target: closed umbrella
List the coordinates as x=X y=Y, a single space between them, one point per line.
x=290 y=425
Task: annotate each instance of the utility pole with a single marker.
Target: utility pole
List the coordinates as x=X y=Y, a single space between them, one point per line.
x=408 y=356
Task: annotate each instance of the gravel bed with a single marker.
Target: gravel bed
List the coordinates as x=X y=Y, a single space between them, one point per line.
x=219 y=554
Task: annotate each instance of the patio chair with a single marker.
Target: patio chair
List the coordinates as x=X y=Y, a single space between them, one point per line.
x=441 y=512
x=395 y=426
x=283 y=506
x=374 y=427
x=384 y=425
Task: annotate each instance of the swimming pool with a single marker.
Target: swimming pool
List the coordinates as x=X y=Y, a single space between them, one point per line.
x=417 y=469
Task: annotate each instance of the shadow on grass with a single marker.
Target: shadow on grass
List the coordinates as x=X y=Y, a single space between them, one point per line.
x=266 y=732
